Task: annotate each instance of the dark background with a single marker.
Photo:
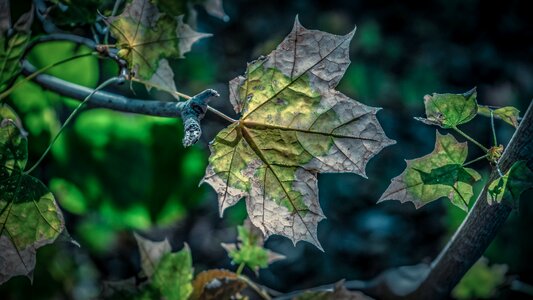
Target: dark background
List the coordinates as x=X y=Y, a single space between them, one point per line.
x=113 y=173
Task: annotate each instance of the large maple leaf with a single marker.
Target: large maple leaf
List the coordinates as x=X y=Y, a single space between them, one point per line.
x=293 y=125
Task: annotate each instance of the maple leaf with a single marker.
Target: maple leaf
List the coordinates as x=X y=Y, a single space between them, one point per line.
x=249 y=249
x=293 y=125
x=438 y=174
x=13 y=42
x=146 y=37
x=508 y=114
x=450 y=110
x=511 y=185
x=29 y=215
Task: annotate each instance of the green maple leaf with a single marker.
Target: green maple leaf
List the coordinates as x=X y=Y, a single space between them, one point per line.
x=438 y=174
x=147 y=37
x=518 y=179
x=450 y=110
x=293 y=125
x=249 y=249
x=29 y=215
x=508 y=114
x=13 y=42
x=169 y=274
x=173 y=276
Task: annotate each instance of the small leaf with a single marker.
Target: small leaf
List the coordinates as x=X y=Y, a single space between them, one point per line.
x=339 y=293
x=249 y=249
x=518 y=179
x=481 y=281
x=450 y=110
x=151 y=253
x=293 y=125
x=29 y=215
x=13 y=45
x=438 y=174
x=508 y=114
x=147 y=36
x=173 y=275
x=216 y=284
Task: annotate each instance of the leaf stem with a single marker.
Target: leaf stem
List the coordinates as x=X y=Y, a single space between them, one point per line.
x=492 y=127
x=239 y=269
x=466 y=136
x=74 y=112
x=186 y=97
x=475 y=159
x=40 y=71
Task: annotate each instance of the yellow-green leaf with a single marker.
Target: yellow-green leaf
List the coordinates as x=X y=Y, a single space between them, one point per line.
x=29 y=215
x=293 y=125
x=450 y=110
x=146 y=37
x=481 y=281
x=508 y=114
x=249 y=249
x=438 y=174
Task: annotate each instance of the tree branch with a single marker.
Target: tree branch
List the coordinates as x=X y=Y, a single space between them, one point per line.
x=469 y=242
x=191 y=111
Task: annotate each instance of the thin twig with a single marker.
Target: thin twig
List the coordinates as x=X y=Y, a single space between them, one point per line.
x=470 y=139
x=101 y=86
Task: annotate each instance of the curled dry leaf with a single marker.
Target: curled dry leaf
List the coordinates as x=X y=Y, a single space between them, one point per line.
x=151 y=253
x=293 y=125
x=438 y=174
x=216 y=284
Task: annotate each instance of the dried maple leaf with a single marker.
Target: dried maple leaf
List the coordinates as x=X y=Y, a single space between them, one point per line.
x=146 y=37
x=293 y=125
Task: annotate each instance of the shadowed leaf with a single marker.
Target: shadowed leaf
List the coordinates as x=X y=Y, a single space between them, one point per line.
x=146 y=37
x=438 y=174
x=173 y=276
x=12 y=45
x=293 y=125
x=151 y=253
x=518 y=179
x=450 y=110
x=29 y=215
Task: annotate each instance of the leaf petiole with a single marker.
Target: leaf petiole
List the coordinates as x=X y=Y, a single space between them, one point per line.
x=74 y=112
x=475 y=160
x=493 y=129
x=239 y=269
x=466 y=136
x=186 y=97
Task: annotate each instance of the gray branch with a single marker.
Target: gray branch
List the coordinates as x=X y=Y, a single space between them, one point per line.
x=191 y=111
x=436 y=281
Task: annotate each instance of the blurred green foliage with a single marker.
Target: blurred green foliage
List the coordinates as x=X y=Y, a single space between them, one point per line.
x=481 y=281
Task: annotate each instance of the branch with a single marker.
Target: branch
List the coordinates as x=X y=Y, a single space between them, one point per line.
x=191 y=111
x=469 y=242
